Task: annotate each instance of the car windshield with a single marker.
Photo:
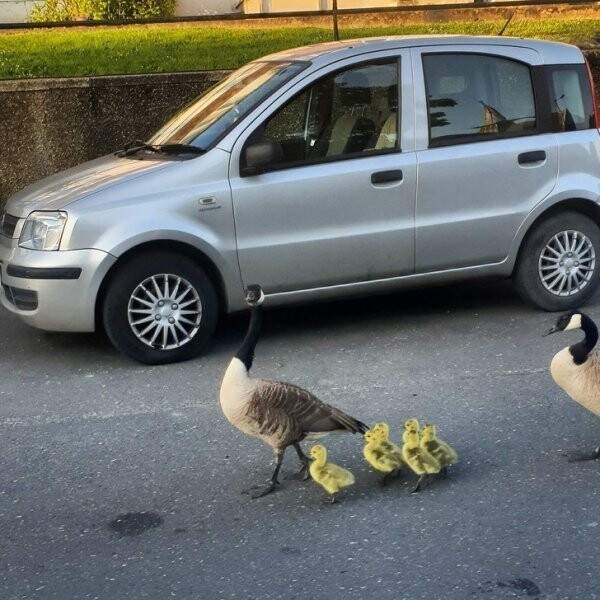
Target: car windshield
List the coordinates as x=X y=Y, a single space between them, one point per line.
x=211 y=115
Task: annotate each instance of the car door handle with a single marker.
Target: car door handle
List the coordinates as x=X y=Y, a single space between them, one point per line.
x=386 y=176
x=526 y=158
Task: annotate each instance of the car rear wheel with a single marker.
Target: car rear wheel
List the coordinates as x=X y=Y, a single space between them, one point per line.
x=160 y=308
x=558 y=266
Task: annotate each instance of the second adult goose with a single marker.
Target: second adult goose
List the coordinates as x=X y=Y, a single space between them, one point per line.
x=576 y=369
x=281 y=414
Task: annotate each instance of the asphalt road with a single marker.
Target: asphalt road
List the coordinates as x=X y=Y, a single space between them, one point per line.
x=124 y=481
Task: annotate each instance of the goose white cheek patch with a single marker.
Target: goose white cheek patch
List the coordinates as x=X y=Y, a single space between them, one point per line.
x=574 y=323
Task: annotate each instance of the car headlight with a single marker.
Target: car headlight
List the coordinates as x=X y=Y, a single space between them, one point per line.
x=43 y=230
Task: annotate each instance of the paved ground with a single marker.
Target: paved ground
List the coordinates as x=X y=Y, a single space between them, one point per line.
x=87 y=436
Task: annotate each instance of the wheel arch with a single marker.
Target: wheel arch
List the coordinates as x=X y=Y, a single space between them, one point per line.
x=587 y=207
x=209 y=267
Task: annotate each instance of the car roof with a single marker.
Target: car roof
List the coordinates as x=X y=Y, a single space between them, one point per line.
x=550 y=52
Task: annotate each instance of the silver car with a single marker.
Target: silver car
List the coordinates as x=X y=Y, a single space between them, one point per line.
x=332 y=170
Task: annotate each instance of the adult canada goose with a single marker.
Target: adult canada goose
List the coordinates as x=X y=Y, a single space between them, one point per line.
x=576 y=369
x=279 y=413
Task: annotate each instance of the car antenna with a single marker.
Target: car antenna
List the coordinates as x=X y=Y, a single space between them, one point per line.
x=512 y=14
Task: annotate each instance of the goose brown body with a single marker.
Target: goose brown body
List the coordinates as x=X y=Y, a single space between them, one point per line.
x=278 y=412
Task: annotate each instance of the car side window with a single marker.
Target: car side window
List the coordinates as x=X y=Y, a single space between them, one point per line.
x=472 y=97
x=349 y=113
x=571 y=98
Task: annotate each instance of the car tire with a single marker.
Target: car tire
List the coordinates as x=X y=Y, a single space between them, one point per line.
x=160 y=308
x=558 y=266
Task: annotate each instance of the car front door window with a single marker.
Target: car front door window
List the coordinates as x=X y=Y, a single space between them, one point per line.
x=345 y=114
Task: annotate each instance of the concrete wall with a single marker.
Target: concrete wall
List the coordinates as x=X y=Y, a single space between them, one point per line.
x=52 y=124
x=15 y=11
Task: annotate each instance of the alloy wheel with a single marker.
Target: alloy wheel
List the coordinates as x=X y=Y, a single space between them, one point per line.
x=567 y=263
x=164 y=311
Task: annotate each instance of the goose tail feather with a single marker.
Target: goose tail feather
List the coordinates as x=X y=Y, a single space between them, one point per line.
x=361 y=427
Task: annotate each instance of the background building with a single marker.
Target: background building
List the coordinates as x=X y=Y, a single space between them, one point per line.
x=269 y=6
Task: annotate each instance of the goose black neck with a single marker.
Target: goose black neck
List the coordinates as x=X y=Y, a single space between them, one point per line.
x=581 y=350
x=246 y=350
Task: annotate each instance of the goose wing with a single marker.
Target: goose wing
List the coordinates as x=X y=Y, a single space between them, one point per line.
x=278 y=405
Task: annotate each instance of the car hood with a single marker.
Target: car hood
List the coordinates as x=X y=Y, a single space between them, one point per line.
x=57 y=191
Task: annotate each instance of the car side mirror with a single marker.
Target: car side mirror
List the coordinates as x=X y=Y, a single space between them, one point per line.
x=257 y=157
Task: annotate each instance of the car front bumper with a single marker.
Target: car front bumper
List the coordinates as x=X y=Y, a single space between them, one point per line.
x=55 y=291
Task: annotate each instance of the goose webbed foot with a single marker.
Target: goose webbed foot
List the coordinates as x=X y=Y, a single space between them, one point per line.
x=581 y=456
x=301 y=475
x=258 y=491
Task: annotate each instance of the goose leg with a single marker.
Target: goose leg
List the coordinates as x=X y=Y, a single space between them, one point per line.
x=386 y=478
x=302 y=474
x=581 y=456
x=420 y=482
x=270 y=487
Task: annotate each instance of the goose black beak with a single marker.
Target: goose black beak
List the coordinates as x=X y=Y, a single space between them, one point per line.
x=552 y=330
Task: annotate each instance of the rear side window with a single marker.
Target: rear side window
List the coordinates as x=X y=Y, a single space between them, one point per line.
x=570 y=98
x=474 y=97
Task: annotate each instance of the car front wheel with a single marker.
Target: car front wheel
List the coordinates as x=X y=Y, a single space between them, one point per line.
x=160 y=308
x=558 y=265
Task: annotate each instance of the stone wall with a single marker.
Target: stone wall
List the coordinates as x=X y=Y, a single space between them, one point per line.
x=52 y=124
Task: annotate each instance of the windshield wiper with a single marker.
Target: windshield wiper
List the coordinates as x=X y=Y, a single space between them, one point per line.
x=180 y=149
x=138 y=146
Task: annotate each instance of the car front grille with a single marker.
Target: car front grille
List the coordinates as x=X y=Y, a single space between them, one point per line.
x=9 y=224
x=22 y=299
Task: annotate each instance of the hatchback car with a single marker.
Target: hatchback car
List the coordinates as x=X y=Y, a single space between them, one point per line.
x=346 y=168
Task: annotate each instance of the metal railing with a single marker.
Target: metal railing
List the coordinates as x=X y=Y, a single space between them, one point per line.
x=475 y=4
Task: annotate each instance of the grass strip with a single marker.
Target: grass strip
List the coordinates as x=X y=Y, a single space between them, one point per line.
x=171 y=48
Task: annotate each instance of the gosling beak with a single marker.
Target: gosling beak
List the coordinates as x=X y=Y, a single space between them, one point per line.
x=552 y=330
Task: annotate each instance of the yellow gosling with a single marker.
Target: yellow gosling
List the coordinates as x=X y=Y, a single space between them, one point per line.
x=330 y=477
x=418 y=459
x=439 y=449
x=410 y=425
x=380 y=453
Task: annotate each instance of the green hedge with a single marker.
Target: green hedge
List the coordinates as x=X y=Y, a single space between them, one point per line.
x=112 y=10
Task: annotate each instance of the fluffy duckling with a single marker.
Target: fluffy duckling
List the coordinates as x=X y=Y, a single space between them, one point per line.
x=439 y=449
x=279 y=413
x=576 y=369
x=410 y=425
x=383 y=431
x=418 y=458
x=332 y=478
x=380 y=453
